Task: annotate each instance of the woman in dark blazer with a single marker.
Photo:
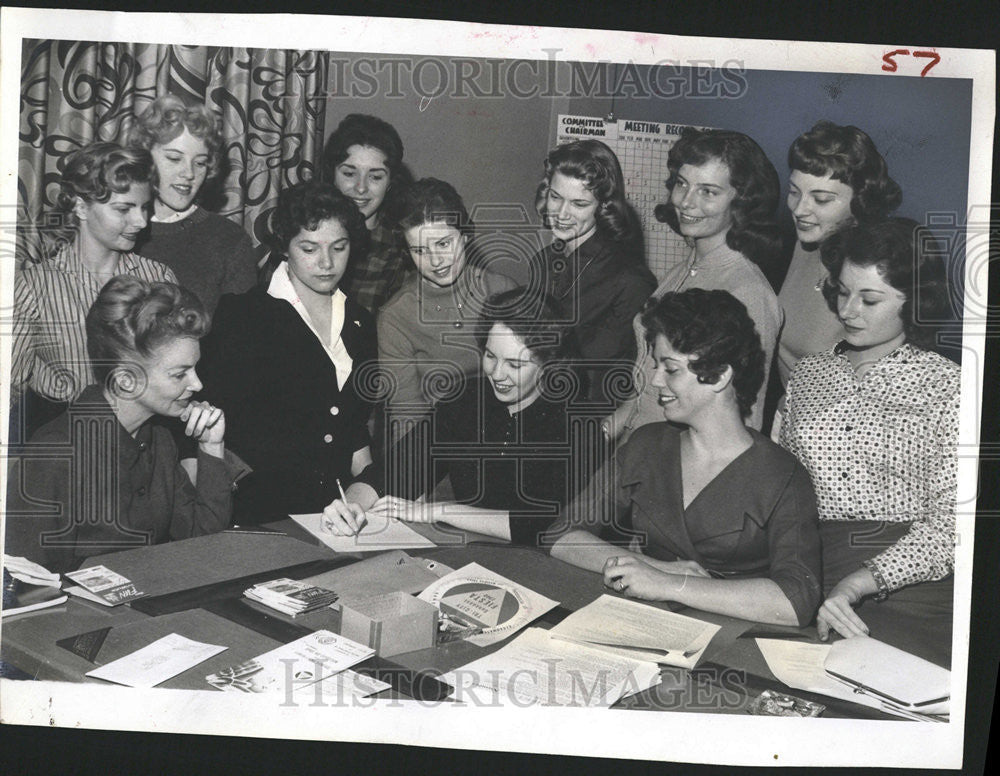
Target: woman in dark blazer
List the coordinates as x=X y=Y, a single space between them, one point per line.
x=284 y=360
x=717 y=516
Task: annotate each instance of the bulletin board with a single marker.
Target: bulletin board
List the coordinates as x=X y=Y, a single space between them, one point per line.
x=641 y=148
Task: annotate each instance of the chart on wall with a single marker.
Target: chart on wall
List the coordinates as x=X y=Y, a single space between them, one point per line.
x=641 y=148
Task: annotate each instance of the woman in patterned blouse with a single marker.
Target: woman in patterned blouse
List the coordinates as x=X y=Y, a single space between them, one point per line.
x=875 y=421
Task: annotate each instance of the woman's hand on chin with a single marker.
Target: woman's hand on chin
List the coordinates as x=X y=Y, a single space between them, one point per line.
x=404 y=509
x=207 y=425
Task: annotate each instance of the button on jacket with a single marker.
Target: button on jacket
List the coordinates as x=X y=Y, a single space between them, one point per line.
x=285 y=414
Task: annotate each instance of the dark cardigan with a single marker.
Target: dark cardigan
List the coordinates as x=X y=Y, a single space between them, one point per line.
x=285 y=414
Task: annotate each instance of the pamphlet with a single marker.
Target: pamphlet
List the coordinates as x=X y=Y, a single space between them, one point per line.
x=633 y=629
x=104 y=586
x=310 y=659
x=484 y=607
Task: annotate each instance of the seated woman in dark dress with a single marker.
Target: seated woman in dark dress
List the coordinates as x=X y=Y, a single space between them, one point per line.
x=702 y=496
x=505 y=440
x=143 y=343
x=283 y=362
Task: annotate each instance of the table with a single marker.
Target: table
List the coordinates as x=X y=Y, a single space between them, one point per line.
x=200 y=582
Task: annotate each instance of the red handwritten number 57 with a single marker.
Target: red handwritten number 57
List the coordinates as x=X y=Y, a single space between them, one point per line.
x=890 y=66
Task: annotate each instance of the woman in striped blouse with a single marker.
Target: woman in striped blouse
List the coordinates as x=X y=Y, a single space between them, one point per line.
x=102 y=203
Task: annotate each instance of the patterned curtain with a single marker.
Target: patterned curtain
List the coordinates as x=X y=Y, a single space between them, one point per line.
x=271 y=103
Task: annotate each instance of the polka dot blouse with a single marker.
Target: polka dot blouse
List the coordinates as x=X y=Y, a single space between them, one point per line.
x=882 y=447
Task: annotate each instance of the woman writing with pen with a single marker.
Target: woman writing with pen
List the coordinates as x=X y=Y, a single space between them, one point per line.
x=283 y=362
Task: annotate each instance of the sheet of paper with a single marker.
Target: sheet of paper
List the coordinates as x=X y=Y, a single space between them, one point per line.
x=164 y=658
x=293 y=666
x=491 y=607
x=535 y=668
x=649 y=633
x=380 y=533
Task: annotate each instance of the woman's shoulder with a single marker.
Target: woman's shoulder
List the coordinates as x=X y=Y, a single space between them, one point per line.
x=922 y=375
x=652 y=436
x=402 y=303
x=246 y=311
x=148 y=269
x=770 y=457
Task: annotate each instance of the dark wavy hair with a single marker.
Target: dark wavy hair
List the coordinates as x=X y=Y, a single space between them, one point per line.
x=304 y=206
x=430 y=200
x=94 y=173
x=541 y=328
x=364 y=130
x=848 y=155
x=754 y=231
x=592 y=162
x=714 y=330
x=167 y=117
x=131 y=318
x=908 y=258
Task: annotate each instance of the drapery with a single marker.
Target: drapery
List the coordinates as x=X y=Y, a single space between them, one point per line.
x=271 y=103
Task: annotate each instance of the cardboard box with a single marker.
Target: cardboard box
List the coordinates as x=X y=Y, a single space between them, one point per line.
x=390 y=623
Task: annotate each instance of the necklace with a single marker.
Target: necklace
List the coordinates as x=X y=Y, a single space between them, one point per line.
x=562 y=261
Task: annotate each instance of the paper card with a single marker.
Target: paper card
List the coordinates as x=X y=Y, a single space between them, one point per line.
x=302 y=662
x=483 y=606
x=153 y=664
x=379 y=533
x=106 y=586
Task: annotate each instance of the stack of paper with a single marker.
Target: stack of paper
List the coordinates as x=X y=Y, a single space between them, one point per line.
x=632 y=629
x=290 y=596
x=28 y=586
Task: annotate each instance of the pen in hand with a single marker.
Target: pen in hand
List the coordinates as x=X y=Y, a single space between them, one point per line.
x=343 y=520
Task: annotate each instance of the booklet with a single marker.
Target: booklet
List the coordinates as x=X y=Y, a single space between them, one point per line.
x=483 y=607
x=535 y=668
x=633 y=629
x=290 y=667
x=163 y=659
x=805 y=667
x=290 y=596
x=104 y=586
